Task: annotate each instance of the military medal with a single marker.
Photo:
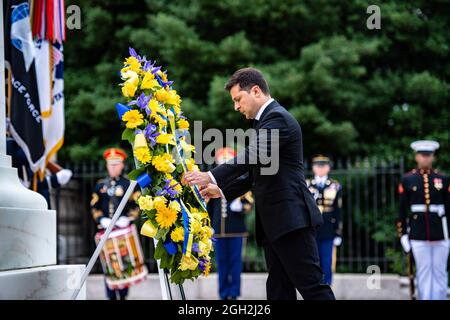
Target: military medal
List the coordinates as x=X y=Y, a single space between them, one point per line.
x=437 y=183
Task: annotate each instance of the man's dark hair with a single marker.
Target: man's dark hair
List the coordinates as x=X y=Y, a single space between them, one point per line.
x=246 y=78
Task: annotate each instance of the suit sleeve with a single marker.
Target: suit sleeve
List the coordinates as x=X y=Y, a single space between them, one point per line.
x=403 y=209
x=272 y=135
x=238 y=187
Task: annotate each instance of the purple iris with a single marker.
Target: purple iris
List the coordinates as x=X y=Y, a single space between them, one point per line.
x=168 y=189
x=149 y=65
x=195 y=247
x=202 y=264
x=142 y=102
x=160 y=81
x=151 y=134
x=134 y=54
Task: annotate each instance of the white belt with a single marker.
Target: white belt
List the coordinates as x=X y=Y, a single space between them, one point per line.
x=435 y=208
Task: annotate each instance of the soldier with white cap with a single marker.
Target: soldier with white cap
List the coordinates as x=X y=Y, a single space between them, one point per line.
x=424 y=221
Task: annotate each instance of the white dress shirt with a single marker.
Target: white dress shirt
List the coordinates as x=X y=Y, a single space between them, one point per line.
x=263 y=107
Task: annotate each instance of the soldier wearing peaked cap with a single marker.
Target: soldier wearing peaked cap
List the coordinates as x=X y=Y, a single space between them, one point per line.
x=328 y=195
x=106 y=198
x=424 y=221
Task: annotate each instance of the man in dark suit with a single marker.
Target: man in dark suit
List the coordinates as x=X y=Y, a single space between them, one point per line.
x=286 y=212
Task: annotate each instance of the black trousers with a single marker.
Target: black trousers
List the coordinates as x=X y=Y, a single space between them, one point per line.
x=293 y=263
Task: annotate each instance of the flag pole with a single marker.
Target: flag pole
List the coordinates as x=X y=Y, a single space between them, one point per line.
x=2 y=88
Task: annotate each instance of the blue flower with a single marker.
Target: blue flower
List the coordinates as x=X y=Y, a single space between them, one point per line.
x=168 y=189
x=151 y=134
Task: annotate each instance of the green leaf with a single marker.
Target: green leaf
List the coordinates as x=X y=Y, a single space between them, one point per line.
x=132 y=175
x=128 y=134
x=159 y=250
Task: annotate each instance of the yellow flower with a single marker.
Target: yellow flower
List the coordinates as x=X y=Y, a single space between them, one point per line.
x=129 y=89
x=143 y=155
x=159 y=202
x=174 y=99
x=174 y=205
x=183 y=124
x=163 y=163
x=162 y=75
x=156 y=107
x=206 y=233
x=133 y=118
x=187 y=147
x=177 y=234
x=130 y=77
x=176 y=186
x=162 y=95
x=166 y=217
x=131 y=63
x=188 y=263
x=165 y=138
x=149 y=81
x=207 y=268
x=145 y=203
x=190 y=164
x=204 y=247
x=196 y=226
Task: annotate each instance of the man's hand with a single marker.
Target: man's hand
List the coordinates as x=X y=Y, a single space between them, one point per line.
x=196 y=177
x=210 y=191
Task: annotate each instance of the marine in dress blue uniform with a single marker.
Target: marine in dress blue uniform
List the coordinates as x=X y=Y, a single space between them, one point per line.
x=106 y=198
x=228 y=222
x=424 y=221
x=328 y=195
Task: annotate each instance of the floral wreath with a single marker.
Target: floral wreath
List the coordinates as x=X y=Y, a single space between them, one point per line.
x=175 y=214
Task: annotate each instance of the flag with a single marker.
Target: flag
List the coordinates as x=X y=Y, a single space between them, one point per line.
x=35 y=55
x=24 y=107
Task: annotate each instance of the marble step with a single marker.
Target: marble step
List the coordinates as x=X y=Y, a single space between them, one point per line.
x=42 y=283
x=27 y=238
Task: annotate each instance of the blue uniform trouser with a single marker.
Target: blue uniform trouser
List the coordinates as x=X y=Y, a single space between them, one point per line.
x=326 y=256
x=228 y=253
x=116 y=294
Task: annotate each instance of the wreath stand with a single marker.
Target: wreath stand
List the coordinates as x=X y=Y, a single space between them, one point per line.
x=166 y=289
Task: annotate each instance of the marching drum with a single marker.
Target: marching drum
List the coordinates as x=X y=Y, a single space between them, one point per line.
x=121 y=257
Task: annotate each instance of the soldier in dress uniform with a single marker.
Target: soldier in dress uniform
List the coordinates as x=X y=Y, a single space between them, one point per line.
x=106 y=198
x=228 y=222
x=327 y=193
x=423 y=221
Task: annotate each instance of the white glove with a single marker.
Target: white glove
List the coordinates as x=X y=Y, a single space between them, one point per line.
x=105 y=222
x=337 y=241
x=122 y=222
x=236 y=205
x=404 y=241
x=63 y=176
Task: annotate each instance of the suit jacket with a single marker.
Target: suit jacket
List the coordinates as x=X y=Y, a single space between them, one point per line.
x=283 y=202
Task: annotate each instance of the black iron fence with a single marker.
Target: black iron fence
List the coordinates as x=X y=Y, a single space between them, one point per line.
x=369 y=211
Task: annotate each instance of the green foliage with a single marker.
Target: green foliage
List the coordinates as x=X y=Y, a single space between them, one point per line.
x=353 y=90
